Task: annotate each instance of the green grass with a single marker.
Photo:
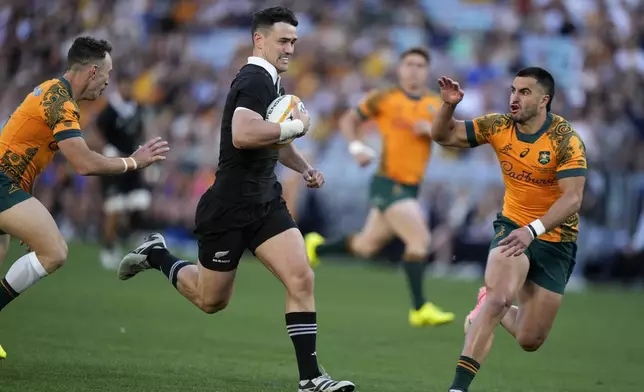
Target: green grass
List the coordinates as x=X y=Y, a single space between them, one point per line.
x=84 y=330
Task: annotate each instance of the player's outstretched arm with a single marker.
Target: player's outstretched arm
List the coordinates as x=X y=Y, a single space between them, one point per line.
x=446 y=130
x=250 y=130
x=86 y=162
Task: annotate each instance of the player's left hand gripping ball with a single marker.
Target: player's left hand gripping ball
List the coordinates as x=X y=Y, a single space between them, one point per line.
x=517 y=242
x=314 y=178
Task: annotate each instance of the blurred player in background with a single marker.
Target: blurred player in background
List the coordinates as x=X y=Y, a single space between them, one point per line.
x=403 y=114
x=121 y=125
x=532 y=254
x=45 y=122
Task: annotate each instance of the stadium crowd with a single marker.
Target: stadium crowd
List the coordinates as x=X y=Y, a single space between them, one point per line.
x=178 y=57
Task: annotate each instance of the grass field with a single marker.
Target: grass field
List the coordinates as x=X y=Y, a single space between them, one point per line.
x=84 y=330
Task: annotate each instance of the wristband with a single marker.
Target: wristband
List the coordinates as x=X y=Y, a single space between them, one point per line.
x=291 y=129
x=125 y=164
x=537 y=228
x=532 y=231
x=134 y=164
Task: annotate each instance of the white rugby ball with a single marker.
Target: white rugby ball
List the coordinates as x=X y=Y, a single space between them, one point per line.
x=282 y=109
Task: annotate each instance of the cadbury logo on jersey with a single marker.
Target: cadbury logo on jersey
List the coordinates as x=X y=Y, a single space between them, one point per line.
x=526 y=176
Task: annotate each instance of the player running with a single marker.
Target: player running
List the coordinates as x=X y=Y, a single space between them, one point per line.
x=45 y=122
x=244 y=208
x=404 y=114
x=125 y=197
x=532 y=255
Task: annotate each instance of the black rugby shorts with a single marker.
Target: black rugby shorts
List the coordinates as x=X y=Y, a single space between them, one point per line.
x=225 y=230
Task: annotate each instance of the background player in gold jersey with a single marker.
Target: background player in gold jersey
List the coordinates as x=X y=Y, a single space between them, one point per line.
x=45 y=122
x=532 y=255
x=403 y=114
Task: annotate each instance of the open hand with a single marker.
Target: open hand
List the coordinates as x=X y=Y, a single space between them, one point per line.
x=450 y=90
x=150 y=152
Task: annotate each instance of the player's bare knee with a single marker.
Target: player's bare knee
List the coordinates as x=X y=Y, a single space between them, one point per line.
x=418 y=249
x=212 y=307
x=530 y=342
x=364 y=248
x=53 y=256
x=497 y=303
x=300 y=283
x=364 y=252
x=416 y=254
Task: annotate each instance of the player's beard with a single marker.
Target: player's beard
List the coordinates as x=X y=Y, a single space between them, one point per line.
x=526 y=115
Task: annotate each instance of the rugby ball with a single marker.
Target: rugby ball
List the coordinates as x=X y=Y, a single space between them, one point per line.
x=282 y=109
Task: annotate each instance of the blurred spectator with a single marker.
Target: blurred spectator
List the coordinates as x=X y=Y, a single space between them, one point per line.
x=183 y=55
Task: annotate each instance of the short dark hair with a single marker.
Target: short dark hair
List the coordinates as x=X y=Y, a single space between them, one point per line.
x=269 y=16
x=85 y=50
x=422 y=52
x=543 y=78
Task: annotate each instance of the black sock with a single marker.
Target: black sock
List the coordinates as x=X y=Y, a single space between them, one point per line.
x=338 y=247
x=302 y=328
x=7 y=293
x=415 y=271
x=466 y=369
x=167 y=263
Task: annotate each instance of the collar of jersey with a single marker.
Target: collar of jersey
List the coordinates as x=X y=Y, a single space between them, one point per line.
x=270 y=68
x=410 y=96
x=527 y=138
x=66 y=84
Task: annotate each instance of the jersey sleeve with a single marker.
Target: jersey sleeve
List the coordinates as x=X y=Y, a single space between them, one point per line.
x=571 y=157
x=480 y=130
x=254 y=94
x=371 y=105
x=67 y=123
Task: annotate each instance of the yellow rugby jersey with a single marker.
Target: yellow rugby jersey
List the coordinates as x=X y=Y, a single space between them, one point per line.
x=404 y=154
x=29 y=139
x=532 y=165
